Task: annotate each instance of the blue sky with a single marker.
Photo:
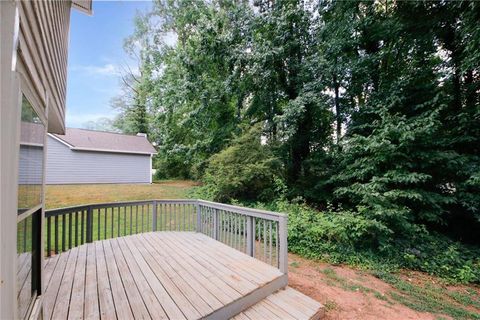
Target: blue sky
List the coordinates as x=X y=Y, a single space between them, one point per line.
x=96 y=57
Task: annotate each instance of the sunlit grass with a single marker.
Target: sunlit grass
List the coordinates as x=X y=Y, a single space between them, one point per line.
x=58 y=196
x=113 y=222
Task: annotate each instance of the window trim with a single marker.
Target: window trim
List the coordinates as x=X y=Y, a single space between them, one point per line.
x=37 y=212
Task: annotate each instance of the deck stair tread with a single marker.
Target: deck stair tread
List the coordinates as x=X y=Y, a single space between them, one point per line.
x=285 y=304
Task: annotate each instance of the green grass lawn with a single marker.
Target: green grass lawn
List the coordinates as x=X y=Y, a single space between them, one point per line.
x=118 y=221
x=58 y=196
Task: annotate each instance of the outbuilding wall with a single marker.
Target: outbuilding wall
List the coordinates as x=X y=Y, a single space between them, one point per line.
x=66 y=166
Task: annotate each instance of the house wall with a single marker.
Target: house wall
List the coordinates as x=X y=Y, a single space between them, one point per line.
x=33 y=62
x=9 y=142
x=43 y=52
x=30 y=165
x=66 y=166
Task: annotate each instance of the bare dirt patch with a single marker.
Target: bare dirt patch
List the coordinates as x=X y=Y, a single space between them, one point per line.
x=347 y=293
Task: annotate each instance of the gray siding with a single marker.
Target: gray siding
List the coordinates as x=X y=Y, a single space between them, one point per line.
x=65 y=166
x=30 y=169
x=43 y=52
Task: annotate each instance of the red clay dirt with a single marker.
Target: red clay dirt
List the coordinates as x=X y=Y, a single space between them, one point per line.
x=309 y=277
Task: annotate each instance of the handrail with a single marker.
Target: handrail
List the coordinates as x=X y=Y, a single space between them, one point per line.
x=259 y=233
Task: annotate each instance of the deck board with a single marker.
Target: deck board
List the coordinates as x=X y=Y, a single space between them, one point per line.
x=159 y=275
x=284 y=305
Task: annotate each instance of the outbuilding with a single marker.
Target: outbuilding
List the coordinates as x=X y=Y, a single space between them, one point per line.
x=86 y=156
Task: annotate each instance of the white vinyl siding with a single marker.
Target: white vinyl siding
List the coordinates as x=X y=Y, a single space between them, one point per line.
x=66 y=166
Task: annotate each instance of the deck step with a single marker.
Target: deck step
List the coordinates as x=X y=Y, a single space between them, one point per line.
x=284 y=304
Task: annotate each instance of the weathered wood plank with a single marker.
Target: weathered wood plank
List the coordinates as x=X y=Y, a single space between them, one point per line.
x=135 y=300
x=78 y=290
x=63 y=300
x=105 y=298
x=183 y=302
x=50 y=264
x=177 y=250
x=254 y=270
x=92 y=308
x=171 y=309
x=190 y=269
x=236 y=281
x=148 y=295
x=50 y=297
x=122 y=306
x=287 y=304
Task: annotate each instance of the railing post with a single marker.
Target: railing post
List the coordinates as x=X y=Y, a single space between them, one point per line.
x=154 y=216
x=199 y=218
x=250 y=236
x=89 y=224
x=215 y=224
x=283 y=250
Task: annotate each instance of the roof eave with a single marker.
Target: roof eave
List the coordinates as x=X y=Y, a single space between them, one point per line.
x=84 y=6
x=112 y=151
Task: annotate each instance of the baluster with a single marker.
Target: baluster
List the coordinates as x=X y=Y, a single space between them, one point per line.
x=49 y=235
x=76 y=228
x=184 y=227
x=64 y=224
x=131 y=215
x=235 y=234
x=230 y=226
x=276 y=244
x=264 y=240
x=118 y=214
x=168 y=207
x=270 y=240
x=89 y=224
x=82 y=227
x=160 y=216
x=198 y=216
x=104 y=224
x=70 y=233
x=56 y=234
x=178 y=219
x=98 y=224
x=210 y=221
x=25 y=225
x=222 y=226
x=249 y=242
x=174 y=219
x=142 y=218
x=244 y=238
x=113 y=222
x=125 y=220
x=165 y=216
x=149 y=224
x=136 y=218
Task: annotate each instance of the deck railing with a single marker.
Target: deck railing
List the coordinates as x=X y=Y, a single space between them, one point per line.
x=258 y=233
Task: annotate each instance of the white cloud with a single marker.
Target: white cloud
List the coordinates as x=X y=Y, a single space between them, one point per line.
x=108 y=69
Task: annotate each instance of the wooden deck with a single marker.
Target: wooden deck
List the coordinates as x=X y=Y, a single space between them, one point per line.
x=288 y=304
x=160 y=275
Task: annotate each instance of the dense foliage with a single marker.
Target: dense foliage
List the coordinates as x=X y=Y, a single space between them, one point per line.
x=369 y=111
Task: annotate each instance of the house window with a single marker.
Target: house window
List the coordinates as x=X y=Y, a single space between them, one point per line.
x=29 y=215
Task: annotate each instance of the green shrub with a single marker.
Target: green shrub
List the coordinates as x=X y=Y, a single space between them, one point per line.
x=245 y=170
x=349 y=237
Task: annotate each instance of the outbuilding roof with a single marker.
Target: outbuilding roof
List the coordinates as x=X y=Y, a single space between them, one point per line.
x=90 y=140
